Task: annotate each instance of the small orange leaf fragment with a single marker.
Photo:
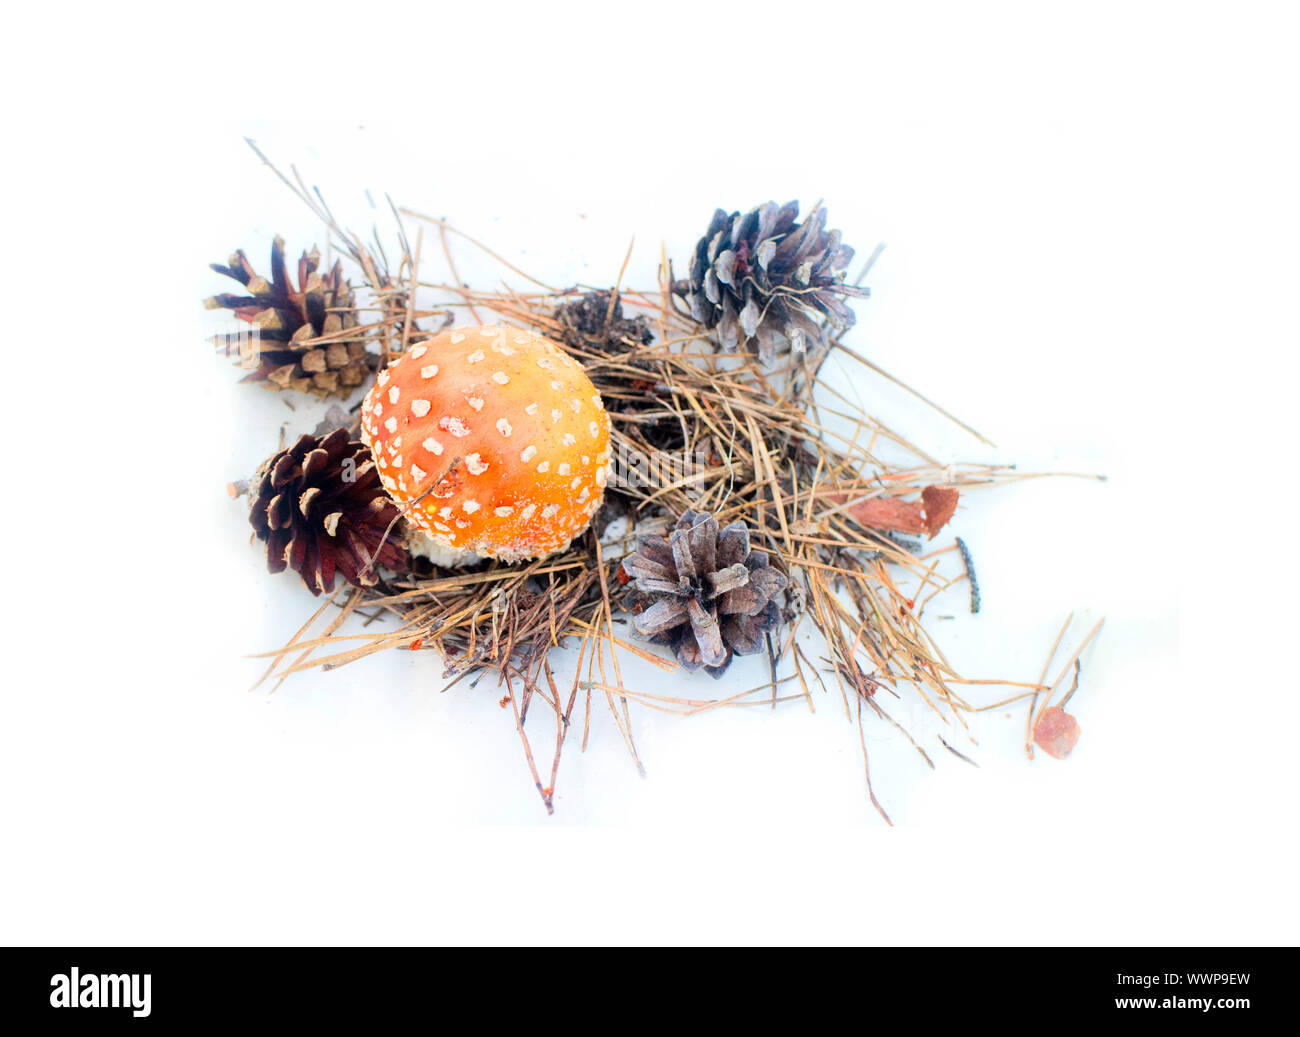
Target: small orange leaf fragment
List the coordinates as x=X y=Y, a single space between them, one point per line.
x=890 y=513
x=1056 y=732
x=927 y=515
x=940 y=502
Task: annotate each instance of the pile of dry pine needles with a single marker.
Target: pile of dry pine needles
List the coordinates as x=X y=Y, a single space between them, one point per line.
x=770 y=451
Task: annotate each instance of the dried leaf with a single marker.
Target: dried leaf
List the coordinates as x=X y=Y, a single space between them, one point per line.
x=940 y=503
x=889 y=513
x=1056 y=732
x=928 y=515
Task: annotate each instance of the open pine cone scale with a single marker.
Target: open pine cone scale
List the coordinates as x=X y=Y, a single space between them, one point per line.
x=704 y=592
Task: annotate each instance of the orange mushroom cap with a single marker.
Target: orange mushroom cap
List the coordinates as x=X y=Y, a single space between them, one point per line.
x=492 y=439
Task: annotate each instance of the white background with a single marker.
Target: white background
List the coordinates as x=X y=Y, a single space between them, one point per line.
x=1091 y=220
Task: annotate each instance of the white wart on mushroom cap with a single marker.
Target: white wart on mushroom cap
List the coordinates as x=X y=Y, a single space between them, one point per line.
x=492 y=438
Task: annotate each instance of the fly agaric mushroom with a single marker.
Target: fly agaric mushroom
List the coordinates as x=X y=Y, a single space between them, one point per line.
x=493 y=440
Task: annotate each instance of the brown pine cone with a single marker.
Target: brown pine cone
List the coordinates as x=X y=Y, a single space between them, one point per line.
x=704 y=592
x=289 y=318
x=320 y=509
x=763 y=280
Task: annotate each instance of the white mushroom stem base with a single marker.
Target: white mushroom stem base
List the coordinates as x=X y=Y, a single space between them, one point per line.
x=420 y=544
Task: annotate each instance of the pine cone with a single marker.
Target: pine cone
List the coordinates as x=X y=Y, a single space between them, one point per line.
x=765 y=279
x=320 y=508
x=288 y=319
x=704 y=592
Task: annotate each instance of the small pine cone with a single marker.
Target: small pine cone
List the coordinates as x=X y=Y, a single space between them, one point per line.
x=588 y=320
x=704 y=592
x=320 y=509
x=767 y=282
x=290 y=319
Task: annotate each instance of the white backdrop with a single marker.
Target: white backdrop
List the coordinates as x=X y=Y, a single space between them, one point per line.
x=1083 y=208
